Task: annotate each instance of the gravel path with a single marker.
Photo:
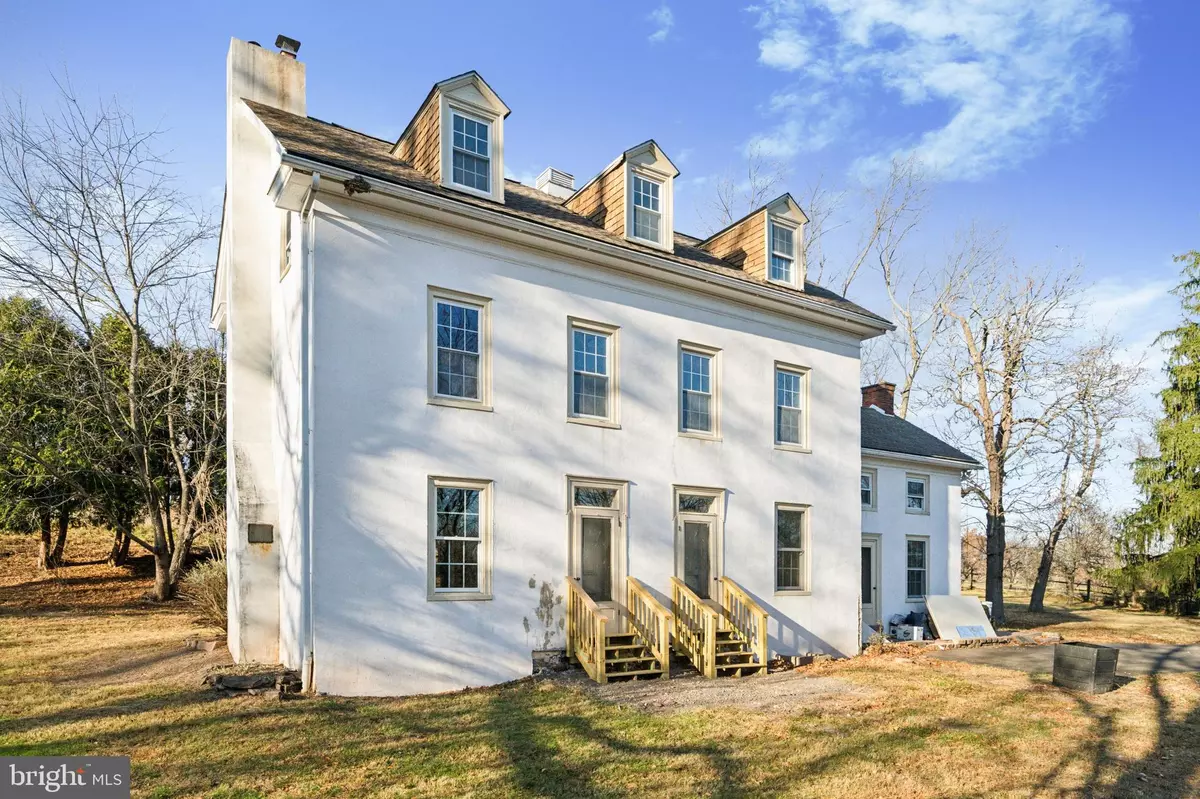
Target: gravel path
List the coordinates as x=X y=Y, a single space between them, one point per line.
x=781 y=692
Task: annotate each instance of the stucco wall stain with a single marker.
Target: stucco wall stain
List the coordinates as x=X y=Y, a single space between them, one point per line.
x=545 y=613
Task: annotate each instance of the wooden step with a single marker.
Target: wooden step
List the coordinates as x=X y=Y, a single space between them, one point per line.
x=641 y=659
x=620 y=651
x=618 y=638
x=657 y=673
x=727 y=635
x=730 y=657
x=740 y=669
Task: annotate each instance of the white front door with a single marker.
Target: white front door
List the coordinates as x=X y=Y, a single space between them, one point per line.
x=870 y=581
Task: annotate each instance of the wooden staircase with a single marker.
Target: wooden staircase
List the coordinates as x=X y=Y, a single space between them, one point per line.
x=730 y=642
x=734 y=658
x=641 y=653
x=628 y=657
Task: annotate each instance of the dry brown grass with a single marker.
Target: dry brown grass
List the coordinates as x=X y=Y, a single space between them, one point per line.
x=81 y=673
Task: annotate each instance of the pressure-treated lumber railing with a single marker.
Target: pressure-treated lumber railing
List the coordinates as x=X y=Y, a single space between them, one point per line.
x=651 y=621
x=585 y=631
x=695 y=628
x=745 y=616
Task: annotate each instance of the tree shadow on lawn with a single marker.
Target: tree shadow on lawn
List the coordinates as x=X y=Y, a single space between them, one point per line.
x=1167 y=771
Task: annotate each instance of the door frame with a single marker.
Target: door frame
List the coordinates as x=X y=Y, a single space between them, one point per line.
x=715 y=518
x=618 y=513
x=875 y=542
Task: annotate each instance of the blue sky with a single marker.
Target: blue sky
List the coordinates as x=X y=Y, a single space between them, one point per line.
x=1071 y=124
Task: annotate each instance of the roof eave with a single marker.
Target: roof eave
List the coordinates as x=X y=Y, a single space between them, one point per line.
x=950 y=463
x=861 y=325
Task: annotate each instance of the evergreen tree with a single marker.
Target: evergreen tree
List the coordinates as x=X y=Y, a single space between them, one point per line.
x=1161 y=538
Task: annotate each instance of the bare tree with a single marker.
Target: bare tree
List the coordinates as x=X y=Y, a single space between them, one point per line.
x=1086 y=544
x=92 y=224
x=737 y=194
x=999 y=378
x=919 y=299
x=973 y=556
x=1102 y=392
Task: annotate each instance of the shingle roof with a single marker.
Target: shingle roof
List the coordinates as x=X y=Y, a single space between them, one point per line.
x=368 y=156
x=882 y=431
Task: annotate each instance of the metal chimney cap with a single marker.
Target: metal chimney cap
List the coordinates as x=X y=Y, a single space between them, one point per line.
x=287 y=45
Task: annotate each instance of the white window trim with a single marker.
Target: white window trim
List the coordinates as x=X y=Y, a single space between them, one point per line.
x=924 y=478
x=775 y=220
x=613 y=420
x=484 y=304
x=925 y=540
x=495 y=125
x=484 y=487
x=805 y=545
x=666 y=207
x=873 y=473
x=715 y=516
x=805 y=374
x=715 y=387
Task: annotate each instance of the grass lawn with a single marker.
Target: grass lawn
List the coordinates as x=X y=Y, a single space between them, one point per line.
x=88 y=668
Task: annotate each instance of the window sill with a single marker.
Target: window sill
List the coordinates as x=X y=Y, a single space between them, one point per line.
x=792 y=592
x=487 y=195
x=914 y=600
x=658 y=245
x=583 y=420
x=916 y=512
x=465 y=404
x=699 y=436
x=789 y=283
x=458 y=596
x=785 y=447
x=869 y=508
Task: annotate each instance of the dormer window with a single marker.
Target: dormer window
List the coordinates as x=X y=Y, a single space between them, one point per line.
x=647 y=214
x=471 y=153
x=783 y=254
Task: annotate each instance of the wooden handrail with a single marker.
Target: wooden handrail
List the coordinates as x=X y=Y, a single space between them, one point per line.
x=651 y=621
x=695 y=628
x=746 y=617
x=586 y=636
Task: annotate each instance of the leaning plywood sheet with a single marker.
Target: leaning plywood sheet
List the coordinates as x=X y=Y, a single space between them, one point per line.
x=959 y=618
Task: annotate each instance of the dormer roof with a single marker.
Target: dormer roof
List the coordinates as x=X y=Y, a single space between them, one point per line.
x=467 y=80
x=307 y=143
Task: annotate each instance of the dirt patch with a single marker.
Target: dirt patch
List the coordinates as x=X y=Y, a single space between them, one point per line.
x=783 y=692
x=170 y=664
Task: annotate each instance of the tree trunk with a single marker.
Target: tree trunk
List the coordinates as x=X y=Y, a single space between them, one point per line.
x=60 y=543
x=121 y=541
x=995 y=559
x=46 y=546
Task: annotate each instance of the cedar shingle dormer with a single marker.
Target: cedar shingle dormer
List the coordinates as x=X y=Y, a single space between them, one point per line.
x=456 y=138
x=771 y=236
x=633 y=197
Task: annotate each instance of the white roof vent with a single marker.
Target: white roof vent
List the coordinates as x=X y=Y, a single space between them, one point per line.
x=555 y=182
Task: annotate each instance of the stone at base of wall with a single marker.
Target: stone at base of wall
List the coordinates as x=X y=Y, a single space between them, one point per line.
x=550 y=660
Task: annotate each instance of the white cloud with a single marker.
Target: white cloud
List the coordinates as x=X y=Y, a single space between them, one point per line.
x=1012 y=75
x=663 y=20
x=784 y=49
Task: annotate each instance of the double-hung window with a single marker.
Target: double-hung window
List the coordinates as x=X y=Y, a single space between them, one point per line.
x=697 y=391
x=917 y=578
x=867 y=488
x=791 y=558
x=647 y=210
x=470 y=153
x=593 y=371
x=458 y=357
x=783 y=254
x=790 y=393
x=916 y=494
x=459 y=539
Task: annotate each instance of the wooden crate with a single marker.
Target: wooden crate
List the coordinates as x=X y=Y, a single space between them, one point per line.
x=1091 y=668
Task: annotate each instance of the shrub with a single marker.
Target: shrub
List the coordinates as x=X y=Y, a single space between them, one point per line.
x=203 y=587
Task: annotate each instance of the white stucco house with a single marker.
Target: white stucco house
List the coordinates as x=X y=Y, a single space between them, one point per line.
x=469 y=418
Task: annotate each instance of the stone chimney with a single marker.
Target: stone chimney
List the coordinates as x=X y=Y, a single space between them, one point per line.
x=881 y=396
x=555 y=182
